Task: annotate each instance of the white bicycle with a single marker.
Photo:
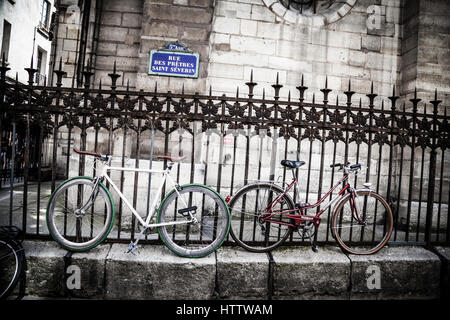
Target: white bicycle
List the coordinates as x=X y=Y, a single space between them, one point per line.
x=192 y=220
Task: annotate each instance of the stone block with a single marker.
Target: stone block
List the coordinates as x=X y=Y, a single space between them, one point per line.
x=196 y=34
x=268 y=30
x=70 y=45
x=242 y=274
x=125 y=6
x=226 y=25
x=92 y=272
x=179 y=13
x=300 y=273
x=371 y=43
x=226 y=71
x=157 y=28
x=45 y=269
x=248 y=27
x=154 y=272
x=404 y=273
x=200 y=3
x=253 y=45
x=113 y=34
x=233 y=9
x=393 y=15
x=445 y=281
x=132 y=20
x=111 y=18
x=262 y=13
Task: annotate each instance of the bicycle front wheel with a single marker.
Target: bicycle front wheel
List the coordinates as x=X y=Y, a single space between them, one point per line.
x=11 y=264
x=248 y=207
x=78 y=217
x=197 y=237
x=364 y=230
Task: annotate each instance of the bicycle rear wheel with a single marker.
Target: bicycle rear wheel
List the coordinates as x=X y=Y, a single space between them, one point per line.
x=374 y=229
x=248 y=227
x=11 y=265
x=74 y=219
x=201 y=237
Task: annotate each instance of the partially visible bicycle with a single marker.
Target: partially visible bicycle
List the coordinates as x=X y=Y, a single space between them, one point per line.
x=12 y=260
x=264 y=215
x=192 y=220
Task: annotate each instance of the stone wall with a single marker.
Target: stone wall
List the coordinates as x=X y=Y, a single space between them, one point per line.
x=250 y=35
x=164 y=21
x=119 y=41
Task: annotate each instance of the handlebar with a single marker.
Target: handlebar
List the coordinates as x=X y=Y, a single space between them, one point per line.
x=347 y=168
x=94 y=154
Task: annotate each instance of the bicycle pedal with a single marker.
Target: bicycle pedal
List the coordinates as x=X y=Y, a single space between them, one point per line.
x=315 y=248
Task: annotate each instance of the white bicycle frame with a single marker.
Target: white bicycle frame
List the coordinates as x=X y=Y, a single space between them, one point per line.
x=166 y=177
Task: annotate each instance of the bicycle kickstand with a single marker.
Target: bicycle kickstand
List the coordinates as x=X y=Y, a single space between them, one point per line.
x=133 y=245
x=314 y=246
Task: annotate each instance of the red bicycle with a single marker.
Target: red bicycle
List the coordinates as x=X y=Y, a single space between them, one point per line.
x=264 y=215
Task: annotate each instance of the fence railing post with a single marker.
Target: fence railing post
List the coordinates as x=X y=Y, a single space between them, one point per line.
x=432 y=172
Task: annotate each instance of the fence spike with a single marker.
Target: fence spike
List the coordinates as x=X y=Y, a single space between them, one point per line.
x=100 y=84
x=237 y=92
x=251 y=75
x=182 y=89
x=326 y=82
x=156 y=86
x=264 y=94
x=210 y=90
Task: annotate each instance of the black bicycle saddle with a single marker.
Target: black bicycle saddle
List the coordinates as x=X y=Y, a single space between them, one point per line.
x=292 y=164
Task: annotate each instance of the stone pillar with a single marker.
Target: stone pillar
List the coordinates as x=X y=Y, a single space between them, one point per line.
x=425 y=49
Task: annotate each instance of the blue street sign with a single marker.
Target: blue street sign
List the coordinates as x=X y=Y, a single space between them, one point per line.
x=174 y=63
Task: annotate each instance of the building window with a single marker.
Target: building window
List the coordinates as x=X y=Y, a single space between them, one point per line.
x=6 y=39
x=45 y=14
x=310 y=12
x=307 y=6
x=41 y=67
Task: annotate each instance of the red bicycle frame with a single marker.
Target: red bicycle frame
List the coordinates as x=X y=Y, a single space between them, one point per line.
x=299 y=215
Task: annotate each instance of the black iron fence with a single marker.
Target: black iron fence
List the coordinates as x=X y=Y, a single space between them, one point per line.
x=229 y=141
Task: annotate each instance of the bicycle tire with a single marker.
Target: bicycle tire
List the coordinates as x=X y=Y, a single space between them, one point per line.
x=244 y=225
x=367 y=238
x=194 y=240
x=11 y=266
x=62 y=208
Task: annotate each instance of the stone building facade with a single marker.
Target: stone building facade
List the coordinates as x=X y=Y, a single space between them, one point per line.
x=401 y=45
x=390 y=43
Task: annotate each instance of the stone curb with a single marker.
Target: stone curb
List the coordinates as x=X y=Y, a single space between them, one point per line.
x=153 y=272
